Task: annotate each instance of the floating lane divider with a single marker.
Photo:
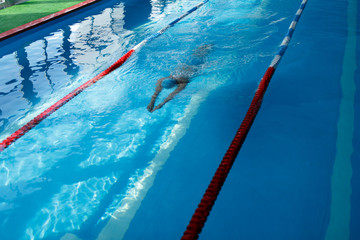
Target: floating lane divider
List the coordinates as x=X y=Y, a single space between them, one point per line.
x=28 y=126
x=198 y=220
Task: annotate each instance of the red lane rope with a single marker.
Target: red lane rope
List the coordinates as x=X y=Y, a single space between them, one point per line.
x=202 y=212
x=35 y=121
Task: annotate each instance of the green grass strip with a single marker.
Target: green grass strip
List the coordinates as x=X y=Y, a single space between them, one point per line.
x=18 y=15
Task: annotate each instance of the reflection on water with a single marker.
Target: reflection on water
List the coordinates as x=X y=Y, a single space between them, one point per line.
x=25 y=73
x=157 y=8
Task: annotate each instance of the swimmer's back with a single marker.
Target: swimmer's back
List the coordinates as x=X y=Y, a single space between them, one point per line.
x=193 y=64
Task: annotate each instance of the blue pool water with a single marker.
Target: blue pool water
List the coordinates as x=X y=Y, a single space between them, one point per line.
x=103 y=167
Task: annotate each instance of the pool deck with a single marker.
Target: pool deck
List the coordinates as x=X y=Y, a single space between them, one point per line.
x=19 y=18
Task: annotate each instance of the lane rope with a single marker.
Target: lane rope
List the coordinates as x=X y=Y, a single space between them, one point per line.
x=35 y=121
x=198 y=220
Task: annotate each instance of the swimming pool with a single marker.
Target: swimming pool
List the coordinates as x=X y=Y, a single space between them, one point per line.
x=103 y=154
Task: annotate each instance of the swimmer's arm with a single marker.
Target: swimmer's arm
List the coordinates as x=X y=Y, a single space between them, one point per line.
x=179 y=88
x=158 y=89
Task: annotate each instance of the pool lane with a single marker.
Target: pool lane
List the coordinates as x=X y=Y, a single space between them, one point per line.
x=341 y=189
x=355 y=159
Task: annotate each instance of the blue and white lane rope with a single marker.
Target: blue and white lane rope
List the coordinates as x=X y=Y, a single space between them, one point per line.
x=202 y=212
x=285 y=43
x=35 y=121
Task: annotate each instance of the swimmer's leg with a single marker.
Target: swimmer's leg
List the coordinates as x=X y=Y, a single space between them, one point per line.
x=179 y=88
x=158 y=89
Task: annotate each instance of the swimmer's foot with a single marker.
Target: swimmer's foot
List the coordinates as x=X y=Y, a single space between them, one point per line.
x=150 y=107
x=157 y=107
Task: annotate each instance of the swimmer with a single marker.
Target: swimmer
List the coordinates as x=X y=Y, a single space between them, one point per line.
x=181 y=76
